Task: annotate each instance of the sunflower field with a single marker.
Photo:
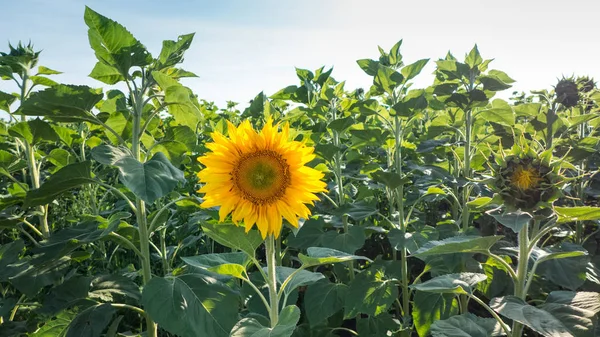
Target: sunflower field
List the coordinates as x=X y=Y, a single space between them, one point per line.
x=134 y=208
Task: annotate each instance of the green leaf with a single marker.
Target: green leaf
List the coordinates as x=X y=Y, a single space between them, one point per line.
x=370 y=293
x=63 y=180
x=232 y=264
x=234 y=237
x=387 y=79
x=323 y=299
x=493 y=83
x=503 y=116
x=565 y=265
x=412 y=241
x=191 y=305
x=341 y=124
x=412 y=70
x=6 y=100
x=466 y=325
x=113 y=44
x=47 y=71
x=462 y=283
x=106 y=74
x=348 y=242
x=44 y=81
x=34 y=131
x=250 y=327
x=309 y=235
x=63 y=103
x=319 y=256
x=538 y=320
x=369 y=66
x=301 y=278
x=514 y=220
x=383 y=325
x=9 y=256
x=391 y=180
x=65 y=295
x=431 y=307
x=474 y=59
x=357 y=210
x=60 y=157
x=457 y=244
x=172 y=51
x=180 y=105
x=150 y=180
x=92 y=321
x=576 y=310
x=581 y=213
x=56 y=327
x=111 y=287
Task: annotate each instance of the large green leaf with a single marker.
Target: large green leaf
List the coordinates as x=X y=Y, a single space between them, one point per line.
x=309 y=235
x=430 y=307
x=63 y=103
x=370 y=293
x=63 y=180
x=250 y=327
x=348 y=242
x=65 y=295
x=462 y=283
x=234 y=237
x=150 y=180
x=92 y=321
x=466 y=325
x=383 y=325
x=539 y=320
x=576 y=310
x=565 y=265
x=457 y=244
x=191 y=305
x=9 y=256
x=323 y=299
x=113 y=44
x=112 y=287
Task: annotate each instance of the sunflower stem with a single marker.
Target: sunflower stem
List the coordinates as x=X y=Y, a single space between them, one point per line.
x=140 y=208
x=272 y=280
x=520 y=283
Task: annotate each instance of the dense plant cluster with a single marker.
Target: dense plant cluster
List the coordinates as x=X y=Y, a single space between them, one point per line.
x=444 y=210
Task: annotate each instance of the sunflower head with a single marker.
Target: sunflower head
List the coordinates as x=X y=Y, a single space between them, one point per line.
x=259 y=177
x=525 y=180
x=567 y=92
x=20 y=57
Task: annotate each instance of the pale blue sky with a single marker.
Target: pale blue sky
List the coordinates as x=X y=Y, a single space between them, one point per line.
x=244 y=47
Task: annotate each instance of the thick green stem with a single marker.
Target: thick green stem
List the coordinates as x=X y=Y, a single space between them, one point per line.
x=550 y=117
x=401 y=222
x=467 y=169
x=272 y=280
x=520 y=284
x=140 y=207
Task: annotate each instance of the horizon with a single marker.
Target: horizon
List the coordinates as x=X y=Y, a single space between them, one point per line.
x=241 y=49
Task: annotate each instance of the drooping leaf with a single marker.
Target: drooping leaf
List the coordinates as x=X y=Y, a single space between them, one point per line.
x=234 y=237
x=514 y=220
x=33 y=132
x=150 y=180
x=172 y=51
x=232 y=264
x=451 y=283
x=63 y=180
x=319 y=255
x=63 y=103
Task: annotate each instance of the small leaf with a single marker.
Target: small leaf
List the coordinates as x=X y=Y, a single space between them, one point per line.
x=319 y=256
x=47 y=71
x=462 y=283
x=514 y=220
x=412 y=70
x=457 y=244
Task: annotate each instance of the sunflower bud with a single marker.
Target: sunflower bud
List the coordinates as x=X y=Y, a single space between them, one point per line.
x=567 y=92
x=525 y=181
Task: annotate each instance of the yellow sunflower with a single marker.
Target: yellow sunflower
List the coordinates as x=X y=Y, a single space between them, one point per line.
x=259 y=177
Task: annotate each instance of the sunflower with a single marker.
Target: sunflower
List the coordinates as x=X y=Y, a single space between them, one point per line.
x=259 y=177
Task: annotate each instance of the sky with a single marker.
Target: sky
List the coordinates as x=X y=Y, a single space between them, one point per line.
x=244 y=47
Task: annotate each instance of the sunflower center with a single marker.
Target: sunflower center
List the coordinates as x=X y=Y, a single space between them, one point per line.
x=525 y=178
x=261 y=177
